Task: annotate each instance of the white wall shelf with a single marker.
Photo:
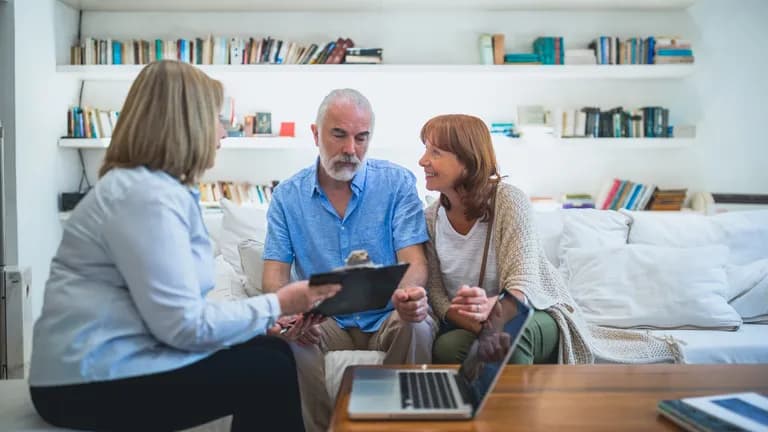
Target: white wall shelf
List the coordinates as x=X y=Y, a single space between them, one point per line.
x=239 y=143
x=373 y=5
x=628 y=143
x=501 y=142
x=596 y=72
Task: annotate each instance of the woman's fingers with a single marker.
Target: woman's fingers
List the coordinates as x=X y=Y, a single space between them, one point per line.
x=467 y=291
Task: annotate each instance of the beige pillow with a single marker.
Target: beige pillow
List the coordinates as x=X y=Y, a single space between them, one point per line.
x=251 y=252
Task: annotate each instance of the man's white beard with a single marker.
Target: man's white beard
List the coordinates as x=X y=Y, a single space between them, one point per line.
x=340 y=173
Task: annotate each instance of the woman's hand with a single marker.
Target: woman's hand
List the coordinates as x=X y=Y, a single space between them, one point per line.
x=297 y=297
x=472 y=303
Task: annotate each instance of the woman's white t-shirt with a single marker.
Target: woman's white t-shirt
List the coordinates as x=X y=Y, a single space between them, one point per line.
x=462 y=255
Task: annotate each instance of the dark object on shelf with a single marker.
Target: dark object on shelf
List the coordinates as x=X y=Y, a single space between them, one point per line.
x=68 y=200
x=263 y=123
x=735 y=198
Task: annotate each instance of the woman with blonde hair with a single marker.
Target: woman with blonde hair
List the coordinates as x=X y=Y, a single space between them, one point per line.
x=126 y=339
x=483 y=242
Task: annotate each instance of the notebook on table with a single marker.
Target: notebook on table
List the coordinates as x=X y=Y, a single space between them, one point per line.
x=442 y=394
x=726 y=412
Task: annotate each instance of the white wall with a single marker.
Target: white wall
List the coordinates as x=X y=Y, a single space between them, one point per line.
x=40 y=98
x=730 y=81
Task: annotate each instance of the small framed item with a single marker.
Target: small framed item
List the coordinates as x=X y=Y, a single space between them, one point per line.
x=287 y=129
x=263 y=123
x=249 y=125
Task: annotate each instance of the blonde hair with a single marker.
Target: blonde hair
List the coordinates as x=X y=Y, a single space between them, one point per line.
x=168 y=122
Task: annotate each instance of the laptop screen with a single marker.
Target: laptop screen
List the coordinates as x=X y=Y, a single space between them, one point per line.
x=493 y=348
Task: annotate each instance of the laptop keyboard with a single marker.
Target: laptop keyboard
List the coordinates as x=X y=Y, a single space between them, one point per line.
x=426 y=390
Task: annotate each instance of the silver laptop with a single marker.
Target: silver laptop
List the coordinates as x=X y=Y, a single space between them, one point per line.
x=379 y=393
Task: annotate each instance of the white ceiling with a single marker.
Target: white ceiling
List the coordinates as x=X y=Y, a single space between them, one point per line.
x=369 y=5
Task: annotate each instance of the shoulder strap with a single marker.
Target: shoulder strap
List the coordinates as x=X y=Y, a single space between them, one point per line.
x=488 y=237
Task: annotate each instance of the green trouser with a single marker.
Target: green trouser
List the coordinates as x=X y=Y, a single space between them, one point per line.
x=538 y=344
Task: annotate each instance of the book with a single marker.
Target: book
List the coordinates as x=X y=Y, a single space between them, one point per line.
x=497 y=41
x=486 y=49
x=732 y=412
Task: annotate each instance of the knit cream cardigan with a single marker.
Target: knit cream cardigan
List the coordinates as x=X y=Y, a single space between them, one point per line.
x=522 y=265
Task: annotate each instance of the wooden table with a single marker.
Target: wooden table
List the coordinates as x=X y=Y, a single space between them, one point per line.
x=568 y=398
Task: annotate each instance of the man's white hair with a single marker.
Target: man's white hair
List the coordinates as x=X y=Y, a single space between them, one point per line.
x=347 y=95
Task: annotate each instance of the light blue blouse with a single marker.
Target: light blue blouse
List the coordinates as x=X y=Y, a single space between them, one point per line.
x=126 y=292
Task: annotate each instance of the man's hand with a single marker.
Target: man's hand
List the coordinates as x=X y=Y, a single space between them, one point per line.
x=298 y=328
x=472 y=303
x=411 y=303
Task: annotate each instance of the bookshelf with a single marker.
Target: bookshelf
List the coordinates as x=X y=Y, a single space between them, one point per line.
x=232 y=143
x=553 y=72
x=441 y=73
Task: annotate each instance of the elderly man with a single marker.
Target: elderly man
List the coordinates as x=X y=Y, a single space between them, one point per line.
x=341 y=203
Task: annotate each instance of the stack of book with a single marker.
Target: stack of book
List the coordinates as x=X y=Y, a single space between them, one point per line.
x=673 y=50
x=207 y=50
x=550 y=49
x=505 y=129
x=241 y=193
x=364 y=55
x=625 y=194
x=88 y=122
x=521 y=58
x=670 y=200
x=638 y=50
x=646 y=122
x=578 y=201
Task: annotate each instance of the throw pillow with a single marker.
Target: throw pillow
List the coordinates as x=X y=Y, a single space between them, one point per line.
x=251 y=252
x=640 y=286
x=676 y=229
x=240 y=223
x=751 y=299
x=590 y=228
x=746 y=234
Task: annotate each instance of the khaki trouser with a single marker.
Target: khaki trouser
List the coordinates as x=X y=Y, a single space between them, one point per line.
x=403 y=342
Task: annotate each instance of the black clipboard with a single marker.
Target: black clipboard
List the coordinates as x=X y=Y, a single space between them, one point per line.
x=362 y=288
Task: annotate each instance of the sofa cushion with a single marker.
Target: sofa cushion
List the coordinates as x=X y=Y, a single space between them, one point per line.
x=641 y=286
x=251 y=252
x=590 y=228
x=752 y=301
x=749 y=344
x=746 y=234
x=240 y=223
x=674 y=229
x=549 y=227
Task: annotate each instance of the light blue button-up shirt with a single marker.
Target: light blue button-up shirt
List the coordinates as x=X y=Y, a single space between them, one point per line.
x=125 y=295
x=383 y=216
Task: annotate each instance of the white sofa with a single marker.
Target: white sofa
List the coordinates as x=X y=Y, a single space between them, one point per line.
x=745 y=234
x=748 y=344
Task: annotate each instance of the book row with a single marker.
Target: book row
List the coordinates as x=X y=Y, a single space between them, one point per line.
x=551 y=50
x=86 y=122
x=647 y=122
x=219 y=50
x=625 y=194
x=241 y=193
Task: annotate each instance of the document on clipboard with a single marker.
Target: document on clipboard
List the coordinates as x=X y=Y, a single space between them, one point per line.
x=362 y=288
